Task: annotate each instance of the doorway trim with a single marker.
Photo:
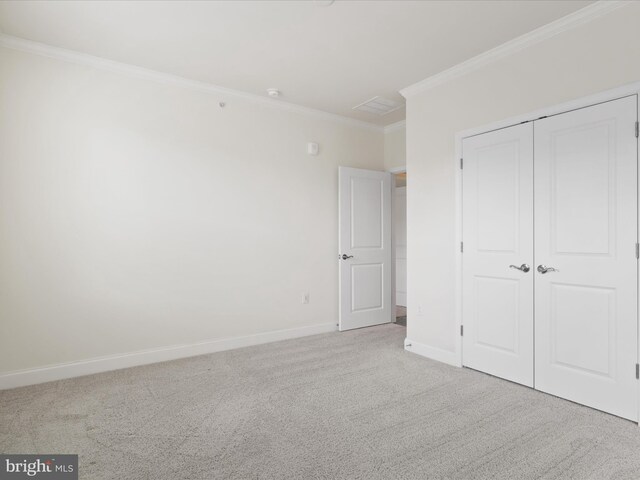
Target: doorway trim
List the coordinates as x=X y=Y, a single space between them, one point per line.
x=583 y=102
x=393 y=171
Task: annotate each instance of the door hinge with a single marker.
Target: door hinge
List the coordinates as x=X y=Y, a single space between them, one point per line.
x=461 y=330
x=637 y=371
x=461 y=164
x=637 y=250
x=637 y=129
x=461 y=247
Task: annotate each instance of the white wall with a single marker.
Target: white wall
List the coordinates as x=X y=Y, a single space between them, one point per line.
x=395 y=147
x=587 y=59
x=136 y=215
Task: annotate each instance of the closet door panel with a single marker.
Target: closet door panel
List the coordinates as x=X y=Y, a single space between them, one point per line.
x=585 y=236
x=497 y=310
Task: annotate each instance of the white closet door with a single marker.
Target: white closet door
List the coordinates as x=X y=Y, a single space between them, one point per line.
x=497 y=307
x=586 y=229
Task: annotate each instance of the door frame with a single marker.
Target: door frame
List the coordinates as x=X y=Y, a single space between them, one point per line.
x=393 y=172
x=583 y=102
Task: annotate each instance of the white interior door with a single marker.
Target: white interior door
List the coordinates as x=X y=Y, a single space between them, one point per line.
x=364 y=241
x=586 y=229
x=497 y=307
x=400 y=232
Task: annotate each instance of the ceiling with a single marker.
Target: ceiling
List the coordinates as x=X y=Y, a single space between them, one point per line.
x=319 y=54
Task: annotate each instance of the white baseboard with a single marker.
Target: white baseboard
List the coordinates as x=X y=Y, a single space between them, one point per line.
x=434 y=353
x=50 y=373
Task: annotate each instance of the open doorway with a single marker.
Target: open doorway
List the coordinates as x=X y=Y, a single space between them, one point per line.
x=400 y=244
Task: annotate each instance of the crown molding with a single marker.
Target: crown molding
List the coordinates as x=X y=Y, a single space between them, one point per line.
x=71 y=56
x=395 y=126
x=575 y=19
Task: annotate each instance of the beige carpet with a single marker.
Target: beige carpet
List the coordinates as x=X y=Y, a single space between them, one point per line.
x=348 y=405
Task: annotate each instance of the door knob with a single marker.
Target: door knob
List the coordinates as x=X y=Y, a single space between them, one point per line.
x=544 y=269
x=345 y=256
x=523 y=268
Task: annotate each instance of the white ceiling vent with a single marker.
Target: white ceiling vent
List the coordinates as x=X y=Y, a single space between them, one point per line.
x=378 y=105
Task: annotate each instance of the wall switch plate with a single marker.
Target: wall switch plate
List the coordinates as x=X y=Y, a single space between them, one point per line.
x=313 y=148
x=305 y=298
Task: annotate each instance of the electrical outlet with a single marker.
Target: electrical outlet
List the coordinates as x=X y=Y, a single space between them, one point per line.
x=305 y=298
x=419 y=310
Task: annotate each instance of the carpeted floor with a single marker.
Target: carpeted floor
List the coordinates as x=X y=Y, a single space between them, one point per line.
x=350 y=405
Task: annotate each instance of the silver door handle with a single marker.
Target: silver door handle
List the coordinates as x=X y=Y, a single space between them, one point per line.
x=345 y=256
x=523 y=268
x=544 y=269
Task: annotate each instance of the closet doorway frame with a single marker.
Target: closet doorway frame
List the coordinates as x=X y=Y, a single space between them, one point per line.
x=583 y=102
